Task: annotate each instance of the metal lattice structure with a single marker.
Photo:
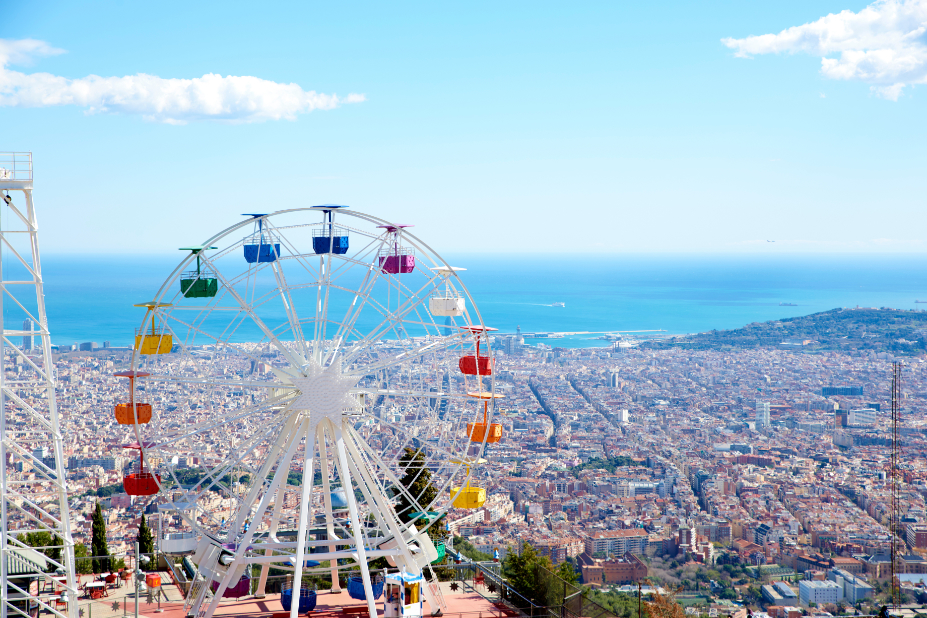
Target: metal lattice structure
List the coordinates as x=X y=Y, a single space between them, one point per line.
x=37 y=566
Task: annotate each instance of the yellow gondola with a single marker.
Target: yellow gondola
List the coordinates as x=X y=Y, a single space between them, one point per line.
x=468 y=497
x=154 y=341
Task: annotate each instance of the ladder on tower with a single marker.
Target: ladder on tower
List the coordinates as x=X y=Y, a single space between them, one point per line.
x=31 y=434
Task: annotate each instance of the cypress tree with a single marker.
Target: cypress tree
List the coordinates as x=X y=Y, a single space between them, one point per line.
x=98 y=547
x=417 y=480
x=145 y=539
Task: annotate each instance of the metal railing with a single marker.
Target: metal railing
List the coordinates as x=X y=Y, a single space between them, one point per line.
x=16 y=166
x=554 y=597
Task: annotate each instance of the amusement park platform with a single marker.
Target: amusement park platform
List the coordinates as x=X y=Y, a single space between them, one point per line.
x=465 y=603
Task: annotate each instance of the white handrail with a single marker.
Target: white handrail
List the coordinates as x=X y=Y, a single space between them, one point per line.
x=16 y=166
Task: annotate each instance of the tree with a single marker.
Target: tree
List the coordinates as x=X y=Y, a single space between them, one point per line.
x=663 y=606
x=98 y=546
x=520 y=569
x=416 y=479
x=83 y=564
x=145 y=539
x=567 y=573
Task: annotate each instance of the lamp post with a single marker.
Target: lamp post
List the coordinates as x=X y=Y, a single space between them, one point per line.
x=139 y=560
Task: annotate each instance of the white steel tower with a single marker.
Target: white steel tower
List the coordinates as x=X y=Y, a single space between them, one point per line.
x=35 y=540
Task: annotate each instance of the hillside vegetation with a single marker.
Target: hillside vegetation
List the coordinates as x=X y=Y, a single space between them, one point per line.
x=896 y=331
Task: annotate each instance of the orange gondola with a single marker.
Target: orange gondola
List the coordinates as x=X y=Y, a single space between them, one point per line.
x=125 y=415
x=491 y=432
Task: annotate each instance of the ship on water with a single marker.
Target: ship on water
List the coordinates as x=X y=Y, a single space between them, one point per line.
x=787 y=305
x=558 y=305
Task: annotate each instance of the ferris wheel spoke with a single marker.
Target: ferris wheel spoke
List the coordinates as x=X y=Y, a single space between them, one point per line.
x=347 y=326
x=193 y=430
x=257 y=321
x=224 y=467
x=287 y=299
x=413 y=394
x=412 y=354
x=392 y=321
x=216 y=383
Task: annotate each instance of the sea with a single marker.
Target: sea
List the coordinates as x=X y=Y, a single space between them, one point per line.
x=90 y=297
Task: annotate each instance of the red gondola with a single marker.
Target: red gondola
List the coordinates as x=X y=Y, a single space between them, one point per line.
x=140 y=483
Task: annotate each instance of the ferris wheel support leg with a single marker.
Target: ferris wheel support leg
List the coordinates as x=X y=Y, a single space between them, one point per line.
x=260 y=593
x=406 y=561
x=289 y=430
x=245 y=541
x=345 y=474
x=304 y=512
x=327 y=496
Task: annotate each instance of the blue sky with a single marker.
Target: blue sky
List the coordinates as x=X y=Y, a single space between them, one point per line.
x=493 y=127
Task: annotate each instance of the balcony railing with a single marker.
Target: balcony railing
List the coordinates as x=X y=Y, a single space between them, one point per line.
x=16 y=166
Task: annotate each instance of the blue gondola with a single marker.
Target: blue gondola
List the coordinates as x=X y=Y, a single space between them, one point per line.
x=260 y=246
x=329 y=239
x=356 y=588
x=307 y=600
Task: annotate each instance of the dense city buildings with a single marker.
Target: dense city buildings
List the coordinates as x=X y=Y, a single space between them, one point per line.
x=613 y=456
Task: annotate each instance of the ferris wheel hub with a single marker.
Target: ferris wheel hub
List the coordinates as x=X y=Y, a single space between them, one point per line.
x=324 y=393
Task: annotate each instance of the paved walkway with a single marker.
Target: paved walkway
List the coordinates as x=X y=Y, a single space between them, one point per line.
x=121 y=602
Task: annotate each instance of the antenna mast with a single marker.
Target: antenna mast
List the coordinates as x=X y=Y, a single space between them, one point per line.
x=895 y=517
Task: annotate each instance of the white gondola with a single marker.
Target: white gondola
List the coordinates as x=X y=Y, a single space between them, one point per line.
x=448 y=301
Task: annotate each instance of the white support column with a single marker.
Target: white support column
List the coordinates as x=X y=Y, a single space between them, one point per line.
x=304 y=513
x=245 y=541
x=345 y=475
x=272 y=534
x=20 y=247
x=402 y=532
x=327 y=496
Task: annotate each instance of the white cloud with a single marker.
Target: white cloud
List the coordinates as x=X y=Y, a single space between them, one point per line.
x=884 y=45
x=174 y=101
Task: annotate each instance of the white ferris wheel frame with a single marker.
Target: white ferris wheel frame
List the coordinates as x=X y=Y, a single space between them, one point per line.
x=356 y=463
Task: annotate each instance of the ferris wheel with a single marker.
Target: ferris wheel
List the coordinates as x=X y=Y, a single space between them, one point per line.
x=292 y=380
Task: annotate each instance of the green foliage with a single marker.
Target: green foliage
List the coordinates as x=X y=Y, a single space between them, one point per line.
x=192 y=476
x=145 y=540
x=521 y=571
x=567 y=573
x=98 y=546
x=611 y=464
x=466 y=548
x=416 y=479
x=82 y=564
x=103 y=492
x=619 y=604
x=45 y=540
x=837 y=329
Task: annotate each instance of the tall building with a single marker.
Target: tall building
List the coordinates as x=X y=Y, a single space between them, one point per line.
x=861 y=418
x=28 y=327
x=762 y=414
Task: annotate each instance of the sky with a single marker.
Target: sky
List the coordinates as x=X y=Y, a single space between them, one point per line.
x=517 y=127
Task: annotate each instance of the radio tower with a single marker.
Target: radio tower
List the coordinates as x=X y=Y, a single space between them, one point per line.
x=895 y=518
x=33 y=497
